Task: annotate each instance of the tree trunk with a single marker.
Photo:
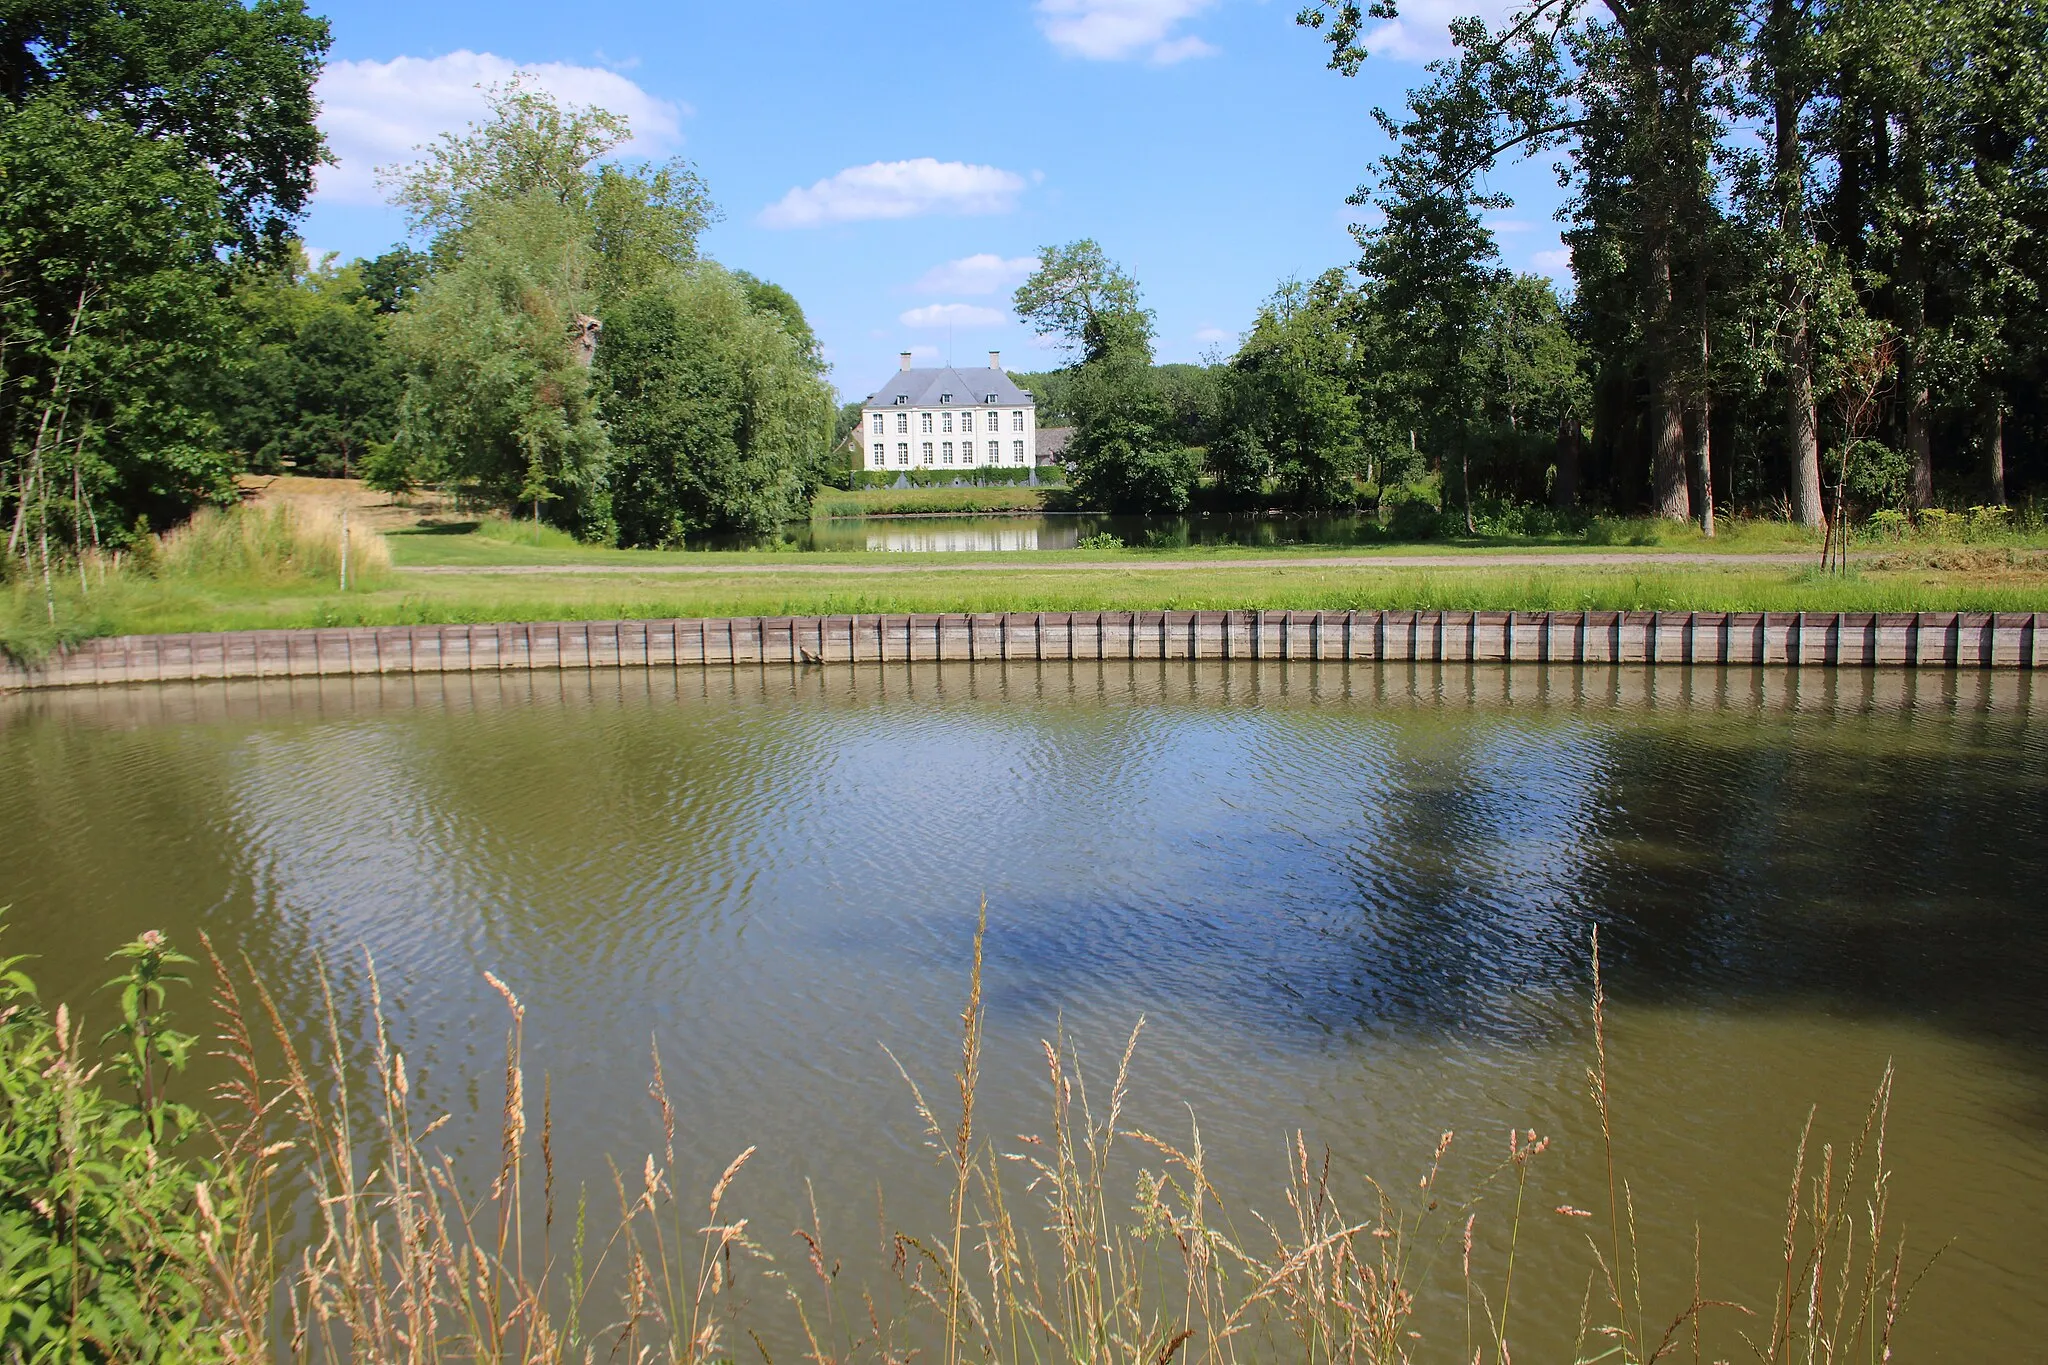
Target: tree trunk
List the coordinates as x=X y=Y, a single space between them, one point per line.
x=1699 y=424
x=1667 y=417
x=1564 y=493
x=1919 y=443
x=1991 y=426
x=1802 y=424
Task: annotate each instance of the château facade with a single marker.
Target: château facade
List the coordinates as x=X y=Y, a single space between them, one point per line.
x=949 y=418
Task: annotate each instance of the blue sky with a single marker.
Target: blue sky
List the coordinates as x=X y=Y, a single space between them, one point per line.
x=896 y=166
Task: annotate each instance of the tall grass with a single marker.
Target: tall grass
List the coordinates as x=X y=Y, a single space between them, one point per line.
x=237 y=552
x=1041 y=1255
x=282 y=543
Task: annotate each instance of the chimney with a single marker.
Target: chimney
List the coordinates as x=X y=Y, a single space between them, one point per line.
x=903 y=360
x=995 y=360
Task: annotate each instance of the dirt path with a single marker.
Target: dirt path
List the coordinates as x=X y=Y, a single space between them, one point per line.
x=1562 y=559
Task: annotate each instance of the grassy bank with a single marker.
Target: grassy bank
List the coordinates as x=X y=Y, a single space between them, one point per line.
x=270 y=567
x=163 y=605
x=269 y=1231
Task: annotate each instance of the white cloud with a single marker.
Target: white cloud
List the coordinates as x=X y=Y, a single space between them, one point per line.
x=1557 y=264
x=1510 y=225
x=376 y=113
x=1422 y=33
x=1115 y=30
x=953 y=315
x=1211 y=334
x=984 y=273
x=897 y=189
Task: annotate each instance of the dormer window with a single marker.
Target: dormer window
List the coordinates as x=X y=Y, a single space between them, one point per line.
x=993 y=398
x=901 y=398
x=945 y=398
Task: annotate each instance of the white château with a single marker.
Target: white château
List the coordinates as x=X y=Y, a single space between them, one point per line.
x=949 y=418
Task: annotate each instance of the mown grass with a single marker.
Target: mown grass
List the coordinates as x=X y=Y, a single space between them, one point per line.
x=258 y=568
x=161 y=606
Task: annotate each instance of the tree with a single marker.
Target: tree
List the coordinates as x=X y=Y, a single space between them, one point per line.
x=532 y=245
x=111 y=314
x=141 y=145
x=717 y=412
x=1294 y=418
x=318 y=382
x=1124 y=457
x=1430 y=258
x=228 y=85
x=498 y=396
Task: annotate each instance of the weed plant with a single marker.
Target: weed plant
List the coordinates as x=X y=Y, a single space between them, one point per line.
x=1043 y=1252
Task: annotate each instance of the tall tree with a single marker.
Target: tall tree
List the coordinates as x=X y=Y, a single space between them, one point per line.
x=141 y=144
x=1124 y=455
x=1294 y=416
x=715 y=407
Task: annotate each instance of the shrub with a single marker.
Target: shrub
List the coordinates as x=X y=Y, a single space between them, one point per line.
x=100 y=1254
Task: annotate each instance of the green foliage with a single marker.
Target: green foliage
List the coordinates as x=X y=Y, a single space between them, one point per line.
x=100 y=1217
x=716 y=410
x=1294 y=417
x=1079 y=296
x=140 y=146
x=317 y=385
x=1124 y=455
x=497 y=398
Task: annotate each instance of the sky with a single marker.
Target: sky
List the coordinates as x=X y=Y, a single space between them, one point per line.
x=897 y=166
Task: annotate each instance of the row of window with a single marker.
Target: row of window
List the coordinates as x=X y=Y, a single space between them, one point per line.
x=990 y=422
x=900 y=399
x=995 y=453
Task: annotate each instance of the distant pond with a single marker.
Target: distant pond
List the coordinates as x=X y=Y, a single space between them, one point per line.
x=943 y=535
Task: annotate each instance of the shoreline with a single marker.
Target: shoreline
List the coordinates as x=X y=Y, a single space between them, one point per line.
x=1915 y=640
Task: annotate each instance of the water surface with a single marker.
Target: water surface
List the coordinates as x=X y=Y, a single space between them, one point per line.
x=1353 y=902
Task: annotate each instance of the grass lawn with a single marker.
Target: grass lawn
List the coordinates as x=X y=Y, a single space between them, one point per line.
x=403 y=598
x=442 y=569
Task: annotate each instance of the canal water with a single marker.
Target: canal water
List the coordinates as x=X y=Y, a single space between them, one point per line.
x=1350 y=903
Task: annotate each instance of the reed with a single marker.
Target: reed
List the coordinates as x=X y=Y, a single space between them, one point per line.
x=332 y=1226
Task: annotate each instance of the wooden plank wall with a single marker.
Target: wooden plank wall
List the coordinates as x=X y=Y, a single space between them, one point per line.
x=1797 y=639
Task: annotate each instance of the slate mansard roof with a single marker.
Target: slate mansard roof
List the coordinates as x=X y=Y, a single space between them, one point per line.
x=922 y=389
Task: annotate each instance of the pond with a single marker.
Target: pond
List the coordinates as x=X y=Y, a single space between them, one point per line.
x=1350 y=902
x=937 y=535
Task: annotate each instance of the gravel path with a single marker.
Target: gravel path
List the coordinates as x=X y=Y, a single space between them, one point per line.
x=931 y=564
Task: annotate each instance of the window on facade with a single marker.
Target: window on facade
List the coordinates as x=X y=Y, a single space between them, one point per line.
x=1016 y=421
x=927 y=420
x=878 y=424
x=902 y=423
x=948 y=450
x=995 y=452
x=1017 y=450
x=927 y=452
x=879 y=449
x=966 y=421
x=903 y=452
x=945 y=421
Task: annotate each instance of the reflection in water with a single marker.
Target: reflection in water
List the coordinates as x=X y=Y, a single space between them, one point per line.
x=986 y=535
x=1352 y=901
